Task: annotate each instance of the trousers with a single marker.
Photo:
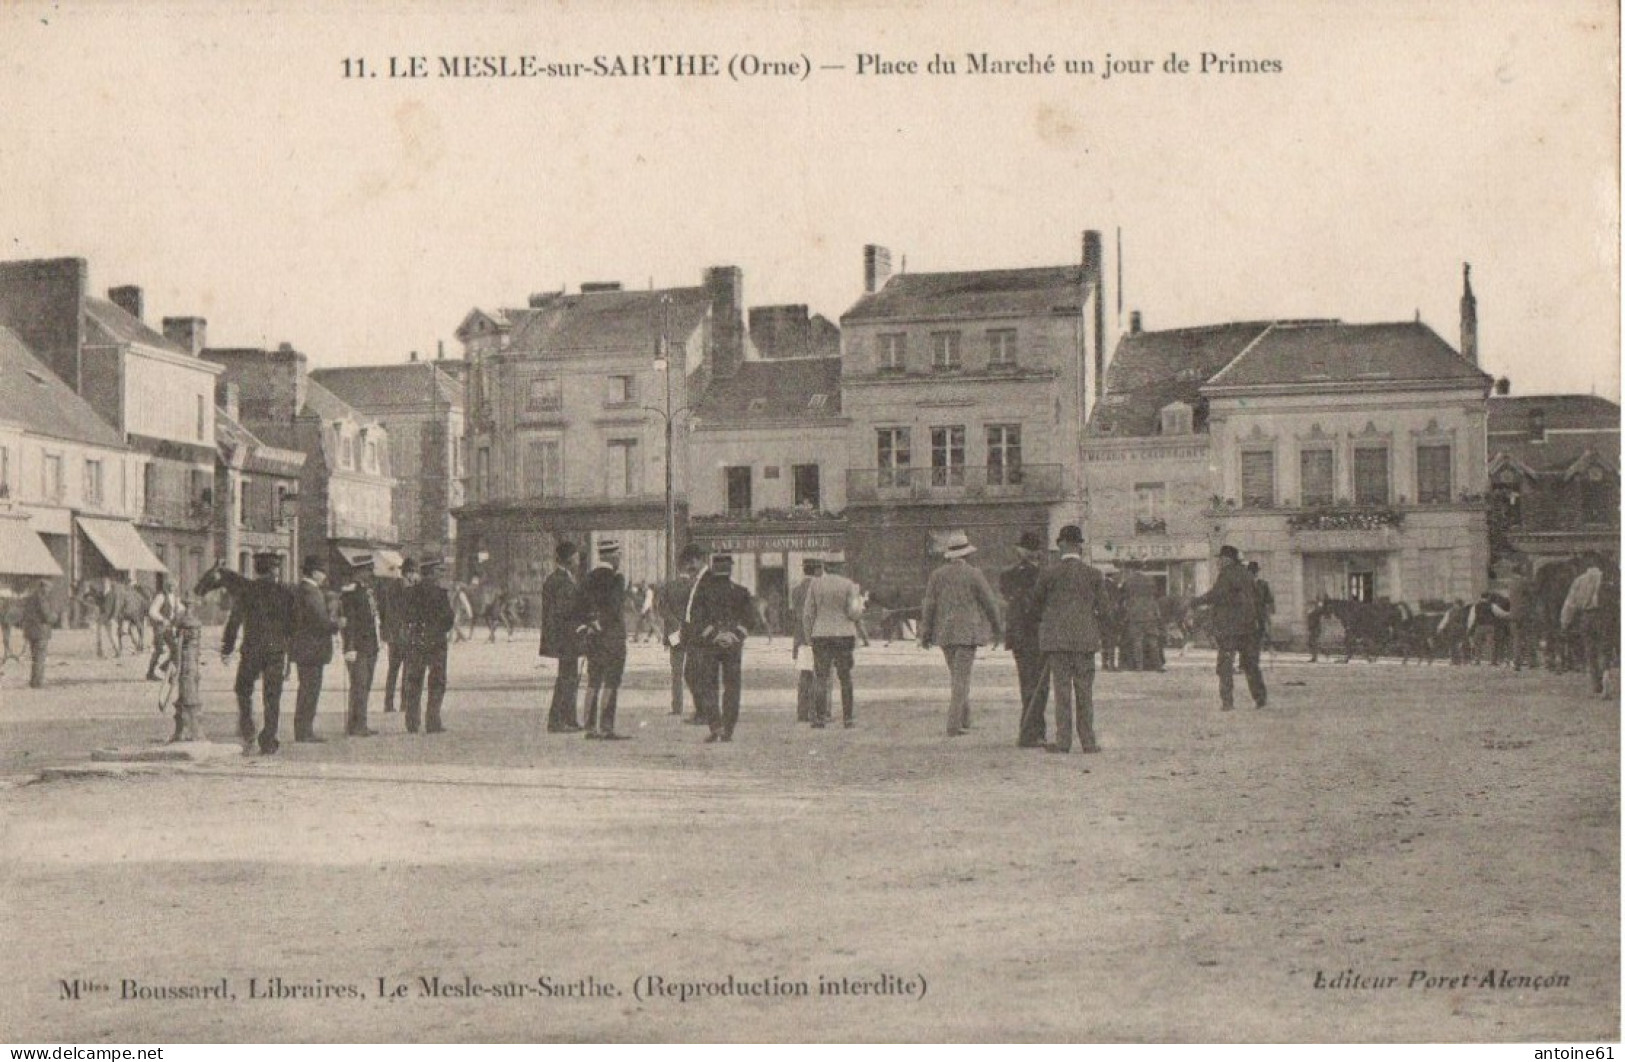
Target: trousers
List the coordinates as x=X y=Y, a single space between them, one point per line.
x=561 y=710
x=1073 y=677
x=606 y=663
x=361 y=672
x=961 y=658
x=304 y=702
x=266 y=669
x=1246 y=646
x=1033 y=682
x=717 y=687
x=423 y=667
x=832 y=654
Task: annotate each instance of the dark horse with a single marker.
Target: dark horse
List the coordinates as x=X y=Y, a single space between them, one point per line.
x=1552 y=581
x=1367 y=625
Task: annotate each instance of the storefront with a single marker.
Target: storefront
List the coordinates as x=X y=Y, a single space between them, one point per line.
x=767 y=560
x=1178 y=567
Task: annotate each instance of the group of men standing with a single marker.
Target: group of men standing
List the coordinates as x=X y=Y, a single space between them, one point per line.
x=284 y=625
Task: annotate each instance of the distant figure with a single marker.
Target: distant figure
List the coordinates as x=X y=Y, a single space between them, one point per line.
x=310 y=645
x=262 y=610
x=359 y=641
x=40 y=617
x=427 y=620
x=1142 y=623
x=721 y=623
x=831 y=616
x=462 y=614
x=1583 y=612
x=600 y=628
x=1235 y=628
x=1266 y=604
x=391 y=627
x=960 y=614
x=675 y=602
x=647 y=628
x=559 y=639
x=806 y=669
x=162 y=613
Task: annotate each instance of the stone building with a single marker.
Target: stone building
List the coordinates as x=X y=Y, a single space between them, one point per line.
x=569 y=412
x=345 y=484
x=1350 y=463
x=966 y=393
x=151 y=388
x=1554 y=476
x=420 y=405
x=258 y=488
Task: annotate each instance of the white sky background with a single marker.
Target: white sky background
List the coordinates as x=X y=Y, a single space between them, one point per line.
x=213 y=154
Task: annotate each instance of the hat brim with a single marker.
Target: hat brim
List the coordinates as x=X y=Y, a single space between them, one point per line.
x=955 y=552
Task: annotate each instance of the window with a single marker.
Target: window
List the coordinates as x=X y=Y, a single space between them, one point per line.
x=622 y=390
x=242 y=501
x=1176 y=419
x=736 y=480
x=1316 y=484
x=816 y=402
x=372 y=456
x=770 y=471
x=944 y=351
x=1003 y=455
x=1258 y=477
x=283 y=514
x=544 y=472
x=892 y=457
x=93 y=482
x=1433 y=473
x=51 y=483
x=245 y=562
x=948 y=457
x=1596 y=505
x=893 y=352
x=202 y=416
x=621 y=469
x=546 y=394
x=456 y=455
x=756 y=405
x=1150 y=508
x=149 y=486
x=482 y=471
x=1371 y=475
x=5 y=472
x=346 y=452
x=1001 y=347
x=804 y=491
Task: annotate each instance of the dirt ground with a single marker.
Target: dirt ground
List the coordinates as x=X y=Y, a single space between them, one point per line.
x=1384 y=853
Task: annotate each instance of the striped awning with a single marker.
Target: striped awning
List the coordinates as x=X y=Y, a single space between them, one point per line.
x=22 y=552
x=118 y=542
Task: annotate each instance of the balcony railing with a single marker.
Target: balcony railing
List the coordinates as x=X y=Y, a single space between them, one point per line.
x=177 y=512
x=954 y=484
x=1346 y=518
x=1150 y=525
x=339 y=527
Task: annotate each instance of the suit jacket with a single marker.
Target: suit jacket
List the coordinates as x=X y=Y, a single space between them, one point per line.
x=720 y=605
x=1234 y=601
x=263 y=610
x=40 y=614
x=601 y=605
x=426 y=618
x=1070 y=599
x=798 y=619
x=827 y=610
x=1020 y=621
x=1140 y=599
x=387 y=596
x=558 y=616
x=360 y=612
x=671 y=600
x=311 y=641
x=959 y=607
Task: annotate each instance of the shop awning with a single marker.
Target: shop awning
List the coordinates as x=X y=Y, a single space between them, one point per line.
x=119 y=544
x=387 y=562
x=22 y=552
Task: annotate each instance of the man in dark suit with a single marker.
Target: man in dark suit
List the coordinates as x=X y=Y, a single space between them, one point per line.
x=310 y=645
x=40 y=617
x=1266 y=604
x=1234 y=602
x=263 y=611
x=1021 y=638
x=720 y=618
x=559 y=639
x=427 y=619
x=673 y=601
x=1070 y=599
x=600 y=627
x=358 y=637
x=388 y=595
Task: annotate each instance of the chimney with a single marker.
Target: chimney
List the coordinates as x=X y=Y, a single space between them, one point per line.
x=876 y=267
x=1469 y=316
x=233 y=400
x=412 y=357
x=725 y=287
x=1134 y=322
x=188 y=333
x=597 y=287
x=1093 y=282
x=440 y=350
x=126 y=298
x=1503 y=386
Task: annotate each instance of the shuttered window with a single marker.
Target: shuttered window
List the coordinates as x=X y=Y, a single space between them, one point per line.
x=543 y=470
x=1433 y=473
x=1371 y=475
x=1258 y=477
x=1315 y=476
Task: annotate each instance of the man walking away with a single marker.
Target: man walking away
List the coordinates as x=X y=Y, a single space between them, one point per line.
x=1070 y=600
x=960 y=614
x=1142 y=634
x=1235 y=628
x=1021 y=638
x=1583 y=612
x=559 y=638
x=672 y=602
x=40 y=617
x=830 y=619
x=806 y=667
x=427 y=620
x=358 y=636
x=600 y=627
x=311 y=646
x=721 y=620
x=1266 y=604
x=263 y=611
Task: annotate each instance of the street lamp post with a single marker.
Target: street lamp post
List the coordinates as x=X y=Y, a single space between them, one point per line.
x=663 y=363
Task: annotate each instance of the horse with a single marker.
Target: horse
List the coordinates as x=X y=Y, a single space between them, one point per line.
x=120 y=610
x=1368 y=625
x=1419 y=635
x=501 y=611
x=1551 y=589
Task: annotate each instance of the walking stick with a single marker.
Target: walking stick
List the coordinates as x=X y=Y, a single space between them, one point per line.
x=1032 y=698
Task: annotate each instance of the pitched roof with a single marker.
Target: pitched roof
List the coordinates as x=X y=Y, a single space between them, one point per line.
x=107 y=324
x=979 y=293
x=325 y=405
x=790 y=332
x=1149 y=370
x=777 y=389
x=231 y=434
x=35 y=397
x=1574 y=425
x=608 y=321
x=377 y=388
x=1311 y=354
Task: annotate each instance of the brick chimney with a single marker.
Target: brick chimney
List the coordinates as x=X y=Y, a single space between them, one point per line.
x=1469 y=316
x=188 y=333
x=1134 y=322
x=42 y=300
x=1094 y=292
x=126 y=298
x=876 y=267
x=725 y=287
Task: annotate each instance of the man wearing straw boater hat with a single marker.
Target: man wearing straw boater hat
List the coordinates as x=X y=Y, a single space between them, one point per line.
x=831 y=612
x=601 y=632
x=960 y=613
x=1070 y=599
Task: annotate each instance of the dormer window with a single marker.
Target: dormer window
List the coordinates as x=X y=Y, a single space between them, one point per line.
x=757 y=405
x=1537 y=425
x=816 y=402
x=1177 y=419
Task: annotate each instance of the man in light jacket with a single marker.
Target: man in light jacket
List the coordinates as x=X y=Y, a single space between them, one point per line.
x=960 y=613
x=830 y=619
x=1070 y=600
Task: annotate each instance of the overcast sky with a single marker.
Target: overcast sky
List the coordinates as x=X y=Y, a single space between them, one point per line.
x=215 y=155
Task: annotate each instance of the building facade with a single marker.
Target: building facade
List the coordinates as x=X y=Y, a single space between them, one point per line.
x=1554 y=477
x=258 y=488
x=966 y=395
x=420 y=406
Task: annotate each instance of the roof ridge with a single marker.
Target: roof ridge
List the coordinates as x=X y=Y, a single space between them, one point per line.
x=1244 y=352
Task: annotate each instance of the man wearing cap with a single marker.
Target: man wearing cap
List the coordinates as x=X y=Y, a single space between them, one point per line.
x=262 y=610
x=674 y=601
x=310 y=645
x=600 y=628
x=1021 y=638
x=358 y=637
x=959 y=613
x=720 y=620
x=1070 y=599
x=806 y=668
x=1234 y=602
x=832 y=610
x=427 y=619
x=559 y=638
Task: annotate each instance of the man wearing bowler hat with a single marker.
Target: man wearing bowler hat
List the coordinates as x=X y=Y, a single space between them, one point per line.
x=559 y=639
x=960 y=613
x=1234 y=601
x=1021 y=637
x=358 y=639
x=310 y=645
x=1070 y=599
x=427 y=619
x=721 y=620
x=262 y=610
x=600 y=629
